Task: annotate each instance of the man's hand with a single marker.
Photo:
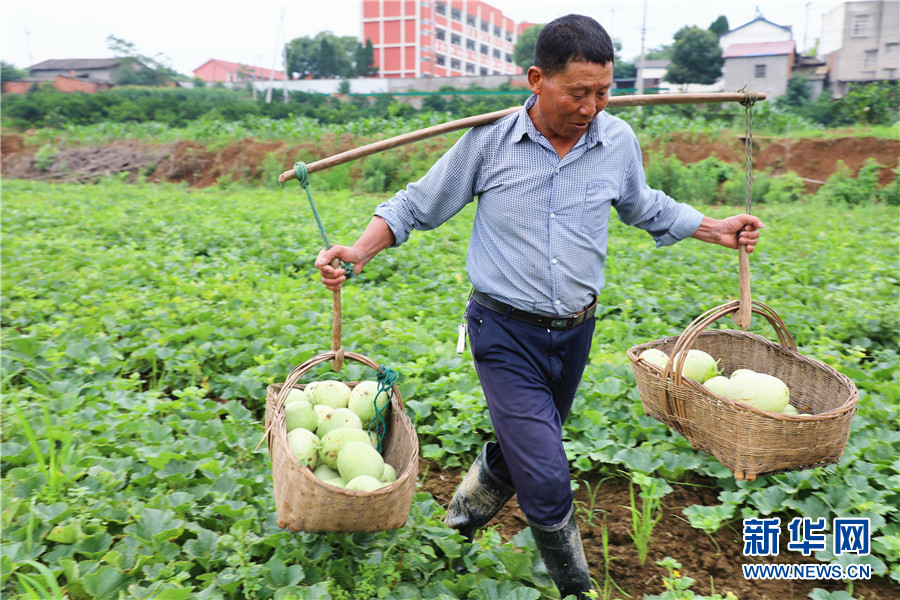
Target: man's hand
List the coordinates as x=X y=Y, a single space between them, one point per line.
x=334 y=276
x=739 y=229
x=374 y=239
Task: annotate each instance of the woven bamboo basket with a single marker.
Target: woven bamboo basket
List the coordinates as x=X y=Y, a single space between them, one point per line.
x=749 y=441
x=306 y=503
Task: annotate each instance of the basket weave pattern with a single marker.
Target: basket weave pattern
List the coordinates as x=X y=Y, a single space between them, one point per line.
x=746 y=440
x=306 y=503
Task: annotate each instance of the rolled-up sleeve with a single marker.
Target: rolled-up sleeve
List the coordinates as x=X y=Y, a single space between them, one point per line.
x=653 y=211
x=441 y=193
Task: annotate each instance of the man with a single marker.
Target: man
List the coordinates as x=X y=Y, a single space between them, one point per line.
x=545 y=179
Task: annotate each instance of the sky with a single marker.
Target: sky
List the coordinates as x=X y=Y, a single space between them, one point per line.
x=185 y=34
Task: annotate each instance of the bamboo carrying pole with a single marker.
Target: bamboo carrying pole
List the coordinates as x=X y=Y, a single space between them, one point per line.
x=435 y=130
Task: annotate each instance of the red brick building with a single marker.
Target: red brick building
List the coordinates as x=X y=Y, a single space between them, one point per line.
x=215 y=70
x=88 y=75
x=447 y=38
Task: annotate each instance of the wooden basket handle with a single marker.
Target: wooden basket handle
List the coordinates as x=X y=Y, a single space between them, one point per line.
x=741 y=317
x=336 y=320
x=686 y=340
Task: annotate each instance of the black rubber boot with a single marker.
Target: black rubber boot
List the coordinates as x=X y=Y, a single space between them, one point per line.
x=562 y=551
x=478 y=498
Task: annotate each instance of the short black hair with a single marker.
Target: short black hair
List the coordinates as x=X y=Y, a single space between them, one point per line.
x=572 y=38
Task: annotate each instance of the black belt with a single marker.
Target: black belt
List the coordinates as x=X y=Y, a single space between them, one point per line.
x=547 y=321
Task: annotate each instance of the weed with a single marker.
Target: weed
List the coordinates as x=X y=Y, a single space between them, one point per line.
x=643 y=520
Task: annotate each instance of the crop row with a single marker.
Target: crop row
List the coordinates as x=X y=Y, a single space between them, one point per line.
x=141 y=325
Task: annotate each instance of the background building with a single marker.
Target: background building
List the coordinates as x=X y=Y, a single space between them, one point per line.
x=761 y=66
x=89 y=75
x=861 y=43
x=215 y=70
x=424 y=38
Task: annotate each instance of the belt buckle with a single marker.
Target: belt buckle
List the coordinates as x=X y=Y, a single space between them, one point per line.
x=558 y=323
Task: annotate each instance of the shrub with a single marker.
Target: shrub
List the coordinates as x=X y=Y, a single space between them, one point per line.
x=842 y=187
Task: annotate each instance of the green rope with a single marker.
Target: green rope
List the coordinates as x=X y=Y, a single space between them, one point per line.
x=386 y=379
x=302 y=174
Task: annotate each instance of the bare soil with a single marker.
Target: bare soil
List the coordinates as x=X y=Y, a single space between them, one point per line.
x=198 y=166
x=713 y=561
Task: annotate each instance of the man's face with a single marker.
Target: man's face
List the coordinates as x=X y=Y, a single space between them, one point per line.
x=568 y=101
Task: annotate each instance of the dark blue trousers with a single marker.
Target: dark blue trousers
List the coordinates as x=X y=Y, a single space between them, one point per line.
x=529 y=375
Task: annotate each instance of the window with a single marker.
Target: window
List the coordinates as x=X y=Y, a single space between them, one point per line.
x=470 y=20
x=455 y=39
x=470 y=44
x=456 y=14
x=470 y=68
x=859 y=26
x=891 y=49
x=454 y=64
x=440 y=59
x=484 y=71
x=497 y=54
x=483 y=49
x=869 y=59
x=759 y=71
x=497 y=31
x=509 y=58
x=441 y=8
x=440 y=34
x=485 y=26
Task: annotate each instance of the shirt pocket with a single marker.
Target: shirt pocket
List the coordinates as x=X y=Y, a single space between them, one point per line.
x=598 y=198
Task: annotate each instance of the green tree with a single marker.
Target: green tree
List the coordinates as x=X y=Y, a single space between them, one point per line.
x=661 y=52
x=137 y=69
x=719 y=26
x=365 y=60
x=523 y=51
x=327 y=55
x=622 y=69
x=797 y=95
x=9 y=72
x=696 y=57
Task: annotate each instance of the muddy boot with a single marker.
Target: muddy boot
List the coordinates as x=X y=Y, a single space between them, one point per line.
x=562 y=551
x=478 y=498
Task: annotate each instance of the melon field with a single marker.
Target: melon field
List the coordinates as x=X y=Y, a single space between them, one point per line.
x=142 y=323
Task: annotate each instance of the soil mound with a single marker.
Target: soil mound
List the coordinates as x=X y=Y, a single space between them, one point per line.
x=252 y=161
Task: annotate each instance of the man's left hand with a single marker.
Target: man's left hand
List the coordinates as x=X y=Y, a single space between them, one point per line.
x=739 y=229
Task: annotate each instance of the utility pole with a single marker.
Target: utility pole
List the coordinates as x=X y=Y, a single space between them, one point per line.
x=28 y=46
x=286 y=74
x=806 y=28
x=640 y=73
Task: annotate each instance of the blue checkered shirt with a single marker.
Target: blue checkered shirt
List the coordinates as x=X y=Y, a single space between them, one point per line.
x=541 y=227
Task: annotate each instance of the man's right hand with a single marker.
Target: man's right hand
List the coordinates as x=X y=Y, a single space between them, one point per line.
x=374 y=239
x=333 y=276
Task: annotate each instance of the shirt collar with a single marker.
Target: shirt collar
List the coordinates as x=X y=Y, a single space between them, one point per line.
x=525 y=126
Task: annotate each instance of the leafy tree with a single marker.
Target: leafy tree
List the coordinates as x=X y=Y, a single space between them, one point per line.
x=327 y=56
x=719 y=26
x=622 y=69
x=797 y=94
x=137 y=69
x=696 y=57
x=9 y=72
x=523 y=51
x=365 y=60
x=661 y=52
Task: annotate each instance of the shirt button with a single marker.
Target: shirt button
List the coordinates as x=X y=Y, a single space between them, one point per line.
x=552 y=215
x=554 y=261
x=558 y=302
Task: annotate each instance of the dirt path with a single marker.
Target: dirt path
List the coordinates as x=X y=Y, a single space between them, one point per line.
x=714 y=562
